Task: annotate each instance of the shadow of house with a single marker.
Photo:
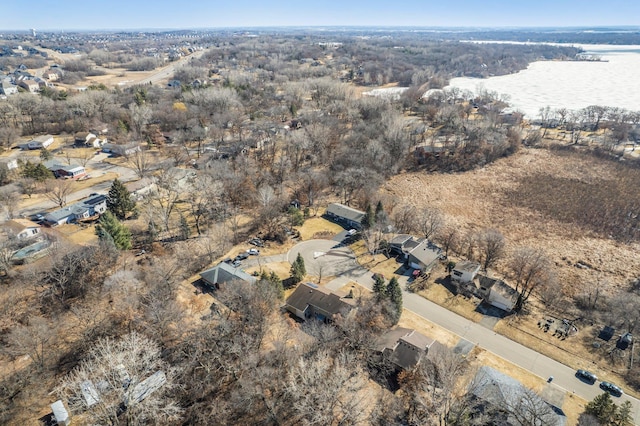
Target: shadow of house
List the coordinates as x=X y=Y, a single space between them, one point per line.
x=507 y=402
x=309 y=300
x=223 y=273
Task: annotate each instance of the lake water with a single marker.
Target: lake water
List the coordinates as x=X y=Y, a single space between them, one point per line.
x=569 y=84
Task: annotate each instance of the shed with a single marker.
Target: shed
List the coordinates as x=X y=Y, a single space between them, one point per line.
x=60 y=413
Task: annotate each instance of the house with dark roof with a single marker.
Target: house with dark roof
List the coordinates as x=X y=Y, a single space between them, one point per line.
x=404 y=347
x=312 y=301
x=223 y=273
x=508 y=403
x=40 y=142
x=345 y=214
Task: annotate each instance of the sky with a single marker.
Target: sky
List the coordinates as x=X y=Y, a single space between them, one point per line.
x=164 y=14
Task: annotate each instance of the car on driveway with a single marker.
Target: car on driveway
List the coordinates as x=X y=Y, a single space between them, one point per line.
x=253 y=252
x=586 y=376
x=236 y=263
x=611 y=388
x=351 y=231
x=242 y=256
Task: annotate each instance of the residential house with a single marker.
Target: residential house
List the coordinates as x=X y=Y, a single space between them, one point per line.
x=497 y=293
x=404 y=347
x=86 y=140
x=8 y=164
x=224 y=273
x=402 y=244
x=312 y=301
x=51 y=75
x=139 y=188
x=40 y=142
x=8 y=88
x=345 y=214
x=465 y=271
x=31 y=86
x=96 y=204
x=121 y=150
x=71 y=171
x=424 y=256
x=508 y=403
x=23 y=229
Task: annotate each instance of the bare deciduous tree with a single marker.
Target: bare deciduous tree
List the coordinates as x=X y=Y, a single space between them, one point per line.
x=491 y=244
x=58 y=190
x=530 y=268
x=141 y=162
x=111 y=377
x=34 y=339
x=429 y=221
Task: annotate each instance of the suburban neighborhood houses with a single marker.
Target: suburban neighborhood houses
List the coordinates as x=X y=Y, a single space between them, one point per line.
x=299 y=226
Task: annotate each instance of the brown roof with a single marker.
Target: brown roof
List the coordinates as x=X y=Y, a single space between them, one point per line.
x=309 y=294
x=19 y=225
x=404 y=346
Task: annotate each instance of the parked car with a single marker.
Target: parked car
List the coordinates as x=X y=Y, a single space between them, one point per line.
x=228 y=260
x=611 y=388
x=242 y=256
x=586 y=376
x=253 y=252
x=236 y=263
x=351 y=231
x=256 y=242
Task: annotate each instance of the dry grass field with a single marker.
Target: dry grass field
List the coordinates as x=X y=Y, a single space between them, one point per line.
x=484 y=198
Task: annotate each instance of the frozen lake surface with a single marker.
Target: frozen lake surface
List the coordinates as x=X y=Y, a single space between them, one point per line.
x=569 y=84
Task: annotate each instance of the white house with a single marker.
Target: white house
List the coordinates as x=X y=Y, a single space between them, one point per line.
x=7 y=88
x=40 y=142
x=465 y=271
x=8 y=163
x=31 y=86
x=23 y=228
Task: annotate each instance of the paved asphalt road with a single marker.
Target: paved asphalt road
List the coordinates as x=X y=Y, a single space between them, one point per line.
x=97 y=167
x=346 y=269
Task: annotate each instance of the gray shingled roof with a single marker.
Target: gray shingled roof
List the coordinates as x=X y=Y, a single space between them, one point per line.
x=425 y=252
x=346 y=212
x=225 y=273
x=404 y=346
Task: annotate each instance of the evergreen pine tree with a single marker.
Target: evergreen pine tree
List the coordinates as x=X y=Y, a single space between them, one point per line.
x=185 y=232
x=379 y=287
x=623 y=416
x=119 y=200
x=45 y=154
x=110 y=228
x=298 y=270
x=369 y=217
x=394 y=293
x=602 y=408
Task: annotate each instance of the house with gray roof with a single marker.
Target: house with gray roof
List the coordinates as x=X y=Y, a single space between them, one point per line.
x=40 y=142
x=423 y=256
x=312 y=301
x=223 y=273
x=465 y=271
x=345 y=214
x=497 y=293
x=508 y=403
x=94 y=205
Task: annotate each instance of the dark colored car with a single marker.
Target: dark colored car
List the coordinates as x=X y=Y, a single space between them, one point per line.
x=256 y=242
x=611 y=388
x=586 y=376
x=242 y=256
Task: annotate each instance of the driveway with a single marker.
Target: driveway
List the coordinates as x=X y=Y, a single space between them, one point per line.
x=325 y=257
